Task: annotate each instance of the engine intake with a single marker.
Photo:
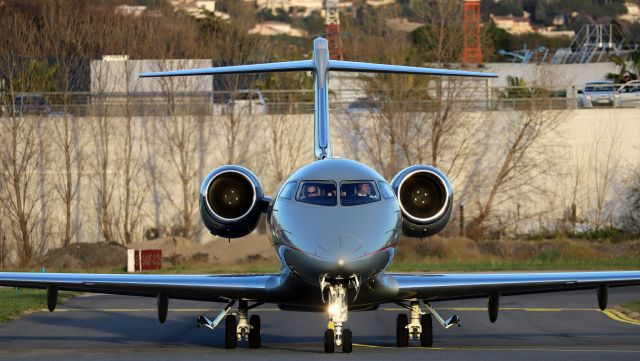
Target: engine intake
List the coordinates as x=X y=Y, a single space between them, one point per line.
x=426 y=200
x=231 y=201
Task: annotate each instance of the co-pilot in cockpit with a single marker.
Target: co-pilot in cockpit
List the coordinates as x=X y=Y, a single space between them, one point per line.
x=358 y=192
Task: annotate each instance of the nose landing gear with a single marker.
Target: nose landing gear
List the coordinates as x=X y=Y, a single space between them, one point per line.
x=337 y=311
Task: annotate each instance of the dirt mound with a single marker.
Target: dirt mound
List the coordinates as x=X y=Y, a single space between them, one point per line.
x=217 y=251
x=171 y=246
x=86 y=256
x=436 y=246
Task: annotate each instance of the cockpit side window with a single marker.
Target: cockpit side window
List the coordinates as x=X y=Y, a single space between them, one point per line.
x=288 y=190
x=318 y=192
x=358 y=192
x=386 y=190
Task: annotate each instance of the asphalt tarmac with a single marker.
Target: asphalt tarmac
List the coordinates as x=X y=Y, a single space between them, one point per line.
x=561 y=326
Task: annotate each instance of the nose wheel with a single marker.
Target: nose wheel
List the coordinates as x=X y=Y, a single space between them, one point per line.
x=329 y=341
x=330 y=344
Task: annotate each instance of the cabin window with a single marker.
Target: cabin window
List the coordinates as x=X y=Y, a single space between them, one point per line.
x=288 y=190
x=318 y=192
x=358 y=192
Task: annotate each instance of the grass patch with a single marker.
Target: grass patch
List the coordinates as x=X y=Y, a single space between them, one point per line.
x=633 y=306
x=18 y=301
x=537 y=264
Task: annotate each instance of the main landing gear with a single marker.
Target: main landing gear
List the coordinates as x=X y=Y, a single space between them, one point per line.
x=336 y=335
x=237 y=329
x=421 y=325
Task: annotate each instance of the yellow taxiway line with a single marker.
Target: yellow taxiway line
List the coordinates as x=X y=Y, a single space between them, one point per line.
x=498 y=349
x=612 y=313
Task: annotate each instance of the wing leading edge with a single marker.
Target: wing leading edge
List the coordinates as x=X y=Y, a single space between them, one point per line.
x=267 y=287
x=440 y=287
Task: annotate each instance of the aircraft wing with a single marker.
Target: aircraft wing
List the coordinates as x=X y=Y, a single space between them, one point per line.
x=454 y=286
x=262 y=287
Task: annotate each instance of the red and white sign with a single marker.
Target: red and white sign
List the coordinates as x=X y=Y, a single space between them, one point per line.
x=144 y=260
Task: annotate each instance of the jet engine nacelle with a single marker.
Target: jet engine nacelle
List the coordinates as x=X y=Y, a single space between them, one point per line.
x=426 y=200
x=231 y=201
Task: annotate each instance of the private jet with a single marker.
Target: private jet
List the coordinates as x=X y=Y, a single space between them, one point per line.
x=335 y=225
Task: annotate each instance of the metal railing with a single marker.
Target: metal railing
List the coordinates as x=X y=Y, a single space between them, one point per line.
x=295 y=102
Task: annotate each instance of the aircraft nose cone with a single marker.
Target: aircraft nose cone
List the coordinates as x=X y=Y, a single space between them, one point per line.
x=341 y=248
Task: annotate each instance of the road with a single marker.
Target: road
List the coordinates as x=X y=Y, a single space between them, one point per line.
x=535 y=327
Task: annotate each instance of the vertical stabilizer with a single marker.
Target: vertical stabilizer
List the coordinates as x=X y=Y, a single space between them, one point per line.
x=321 y=106
x=320 y=65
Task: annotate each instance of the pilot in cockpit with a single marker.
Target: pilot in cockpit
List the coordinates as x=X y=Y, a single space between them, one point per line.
x=311 y=191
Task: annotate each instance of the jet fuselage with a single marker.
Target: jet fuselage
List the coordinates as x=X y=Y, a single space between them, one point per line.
x=334 y=235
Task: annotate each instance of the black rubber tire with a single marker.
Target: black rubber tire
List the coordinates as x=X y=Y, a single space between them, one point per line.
x=426 y=338
x=230 y=332
x=347 y=346
x=254 y=332
x=402 y=332
x=329 y=341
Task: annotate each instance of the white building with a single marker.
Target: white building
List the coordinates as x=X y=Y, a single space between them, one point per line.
x=633 y=12
x=309 y=6
x=513 y=24
x=198 y=8
x=130 y=10
x=271 y=28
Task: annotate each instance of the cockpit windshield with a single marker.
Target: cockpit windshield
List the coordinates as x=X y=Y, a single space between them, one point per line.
x=358 y=192
x=318 y=192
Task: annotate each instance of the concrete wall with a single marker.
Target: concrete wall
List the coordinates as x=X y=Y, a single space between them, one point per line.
x=589 y=146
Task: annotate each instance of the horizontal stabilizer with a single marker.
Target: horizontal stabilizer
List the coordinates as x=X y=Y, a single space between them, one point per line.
x=353 y=66
x=308 y=65
x=300 y=65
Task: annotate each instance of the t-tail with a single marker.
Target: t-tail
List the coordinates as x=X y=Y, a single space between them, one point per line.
x=321 y=65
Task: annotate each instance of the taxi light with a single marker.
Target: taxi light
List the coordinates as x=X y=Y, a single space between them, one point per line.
x=334 y=309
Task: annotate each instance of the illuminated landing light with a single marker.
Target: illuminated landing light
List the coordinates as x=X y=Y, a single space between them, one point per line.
x=334 y=309
x=340 y=262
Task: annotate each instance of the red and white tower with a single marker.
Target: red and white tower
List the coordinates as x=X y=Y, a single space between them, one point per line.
x=332 y=28
x=472 y=52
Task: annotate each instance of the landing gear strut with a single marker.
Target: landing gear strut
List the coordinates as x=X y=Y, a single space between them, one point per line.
x=237 y=329
x=421 y=325
x=335 y=335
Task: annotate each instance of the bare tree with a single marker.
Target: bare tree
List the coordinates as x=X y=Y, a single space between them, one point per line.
x=20 y=146
x=523 y=153
x=179 y=143
x=605 y=159
x=631 y=220
x=132 y=193
x=102 y=127
x=63 y=32
x=234 y=46
x=441 y=39
x=415 y=119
